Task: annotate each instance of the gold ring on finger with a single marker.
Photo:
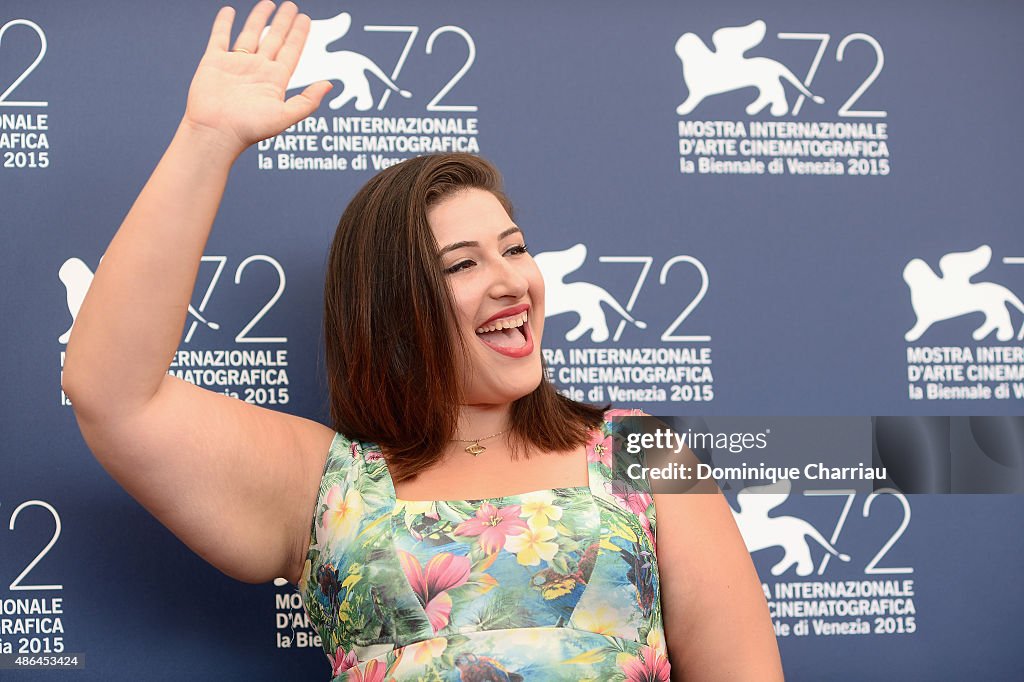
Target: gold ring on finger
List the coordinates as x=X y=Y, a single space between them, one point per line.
x=241 y=49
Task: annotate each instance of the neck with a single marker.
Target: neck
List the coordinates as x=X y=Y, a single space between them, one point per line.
x=481 y=421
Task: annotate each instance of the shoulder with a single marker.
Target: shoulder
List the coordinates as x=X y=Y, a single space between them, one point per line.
x=618 y=420
x=323 y=449
x=621 y=429
x=624 y=412
x=347 y=462
x=352 y=493
x=620 y=460
x=327 y=459
x=625 y=420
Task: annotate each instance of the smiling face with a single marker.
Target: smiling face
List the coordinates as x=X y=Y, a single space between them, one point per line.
x=498 y=293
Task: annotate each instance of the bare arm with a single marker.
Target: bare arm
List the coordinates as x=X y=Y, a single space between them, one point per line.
x=223 y=475
x=717 y=625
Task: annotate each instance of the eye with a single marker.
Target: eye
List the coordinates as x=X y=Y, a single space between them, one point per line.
x=461 y=265
x=517 y=250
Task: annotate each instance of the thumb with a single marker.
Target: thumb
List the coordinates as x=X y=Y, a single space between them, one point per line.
x=306 y=102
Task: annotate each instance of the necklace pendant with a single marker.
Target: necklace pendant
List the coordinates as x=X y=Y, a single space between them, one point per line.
x=475 y=449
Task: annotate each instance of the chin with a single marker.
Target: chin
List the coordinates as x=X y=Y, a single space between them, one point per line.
x=509 y=392
x=530 y=386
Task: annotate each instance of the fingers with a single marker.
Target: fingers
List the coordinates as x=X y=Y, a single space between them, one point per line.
x=279 y=28
x=249 y=38
x=220 y=35
x=306 y=102
x=293 y=42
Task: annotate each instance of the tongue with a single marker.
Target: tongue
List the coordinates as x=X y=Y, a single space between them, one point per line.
x=504 y=338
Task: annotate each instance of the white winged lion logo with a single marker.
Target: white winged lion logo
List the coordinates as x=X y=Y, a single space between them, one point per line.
x=583 y=298
x=76 y=277
x=709 y=73
x=316 y=64
x=761 y=531
x=953 y=294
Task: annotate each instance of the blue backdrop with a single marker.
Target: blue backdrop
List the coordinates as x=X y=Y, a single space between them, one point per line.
x=791 y=208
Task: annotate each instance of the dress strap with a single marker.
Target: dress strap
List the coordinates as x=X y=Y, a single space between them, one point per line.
x=608 y=458
x=353 y=493
x=632 y=496
x=375 y=470
x=352 y=541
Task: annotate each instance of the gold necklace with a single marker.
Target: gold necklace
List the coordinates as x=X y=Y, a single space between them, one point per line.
x=475 y=448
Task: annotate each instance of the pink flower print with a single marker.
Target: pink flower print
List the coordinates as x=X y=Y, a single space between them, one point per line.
x=375 y=671
x=342 y=661
x=651 y=667
x=493 y=525
x=624 y=412
x=368 y=455
x=443 y=572
x=635 y=501
x=600 y=451
x=629 y=497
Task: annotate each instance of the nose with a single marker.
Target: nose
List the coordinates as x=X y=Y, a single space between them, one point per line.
x=507 y=280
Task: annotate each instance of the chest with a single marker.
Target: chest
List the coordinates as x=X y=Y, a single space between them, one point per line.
x=463 y=476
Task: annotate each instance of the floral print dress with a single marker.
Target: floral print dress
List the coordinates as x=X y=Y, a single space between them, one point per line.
x=552 y=585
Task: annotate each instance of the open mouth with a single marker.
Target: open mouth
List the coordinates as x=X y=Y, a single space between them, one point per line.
x=508 y=335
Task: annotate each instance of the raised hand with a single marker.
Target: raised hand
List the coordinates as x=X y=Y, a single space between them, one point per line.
x=238 y=94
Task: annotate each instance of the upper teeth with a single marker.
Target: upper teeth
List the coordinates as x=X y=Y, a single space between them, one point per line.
x=504 y=323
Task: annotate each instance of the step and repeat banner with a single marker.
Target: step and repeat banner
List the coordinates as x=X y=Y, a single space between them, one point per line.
x=788 y=208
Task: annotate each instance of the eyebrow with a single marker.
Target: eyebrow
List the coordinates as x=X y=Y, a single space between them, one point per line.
x=460 y=245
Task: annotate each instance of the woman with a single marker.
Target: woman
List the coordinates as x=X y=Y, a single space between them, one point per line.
x=463 y=518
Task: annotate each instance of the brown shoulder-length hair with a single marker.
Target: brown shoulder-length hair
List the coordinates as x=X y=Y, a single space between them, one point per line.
x=392 y=341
